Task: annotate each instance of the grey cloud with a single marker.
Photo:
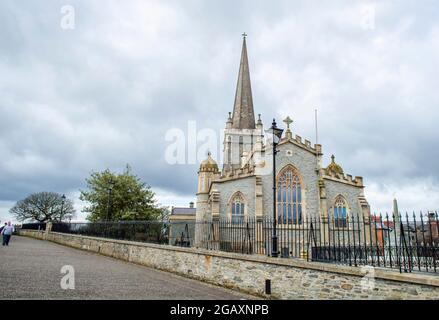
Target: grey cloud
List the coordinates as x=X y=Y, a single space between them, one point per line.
x=105 y=94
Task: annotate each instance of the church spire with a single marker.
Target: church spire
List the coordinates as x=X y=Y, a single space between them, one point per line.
x=243 y=113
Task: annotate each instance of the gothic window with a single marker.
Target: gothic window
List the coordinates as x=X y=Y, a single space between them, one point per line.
x=340 y=212
x=289 y=197
x=237 y=207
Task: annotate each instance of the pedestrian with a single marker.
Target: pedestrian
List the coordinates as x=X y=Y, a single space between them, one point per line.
x=7 y=233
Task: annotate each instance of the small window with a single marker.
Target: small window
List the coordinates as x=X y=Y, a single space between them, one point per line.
x=238 y=207
x=340 y=212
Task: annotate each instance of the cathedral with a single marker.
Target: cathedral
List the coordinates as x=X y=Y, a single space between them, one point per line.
x=243 y=186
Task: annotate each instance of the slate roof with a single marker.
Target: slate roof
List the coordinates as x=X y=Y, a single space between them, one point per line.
x=183 y=211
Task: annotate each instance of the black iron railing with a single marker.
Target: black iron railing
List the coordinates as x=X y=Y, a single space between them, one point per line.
x=408 y=243
x=142 y=231
x=34 y=226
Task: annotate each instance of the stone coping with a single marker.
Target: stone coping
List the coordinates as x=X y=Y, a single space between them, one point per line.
x=381 y=273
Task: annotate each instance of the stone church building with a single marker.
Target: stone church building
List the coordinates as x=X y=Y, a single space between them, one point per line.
x=243 y=187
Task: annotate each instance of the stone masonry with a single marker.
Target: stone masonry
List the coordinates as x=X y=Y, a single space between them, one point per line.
x=291 y=278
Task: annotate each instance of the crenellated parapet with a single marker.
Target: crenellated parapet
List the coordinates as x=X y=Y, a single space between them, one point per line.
x=335 y=172
x=305 y=144
x=342 y=177
x=246 y=171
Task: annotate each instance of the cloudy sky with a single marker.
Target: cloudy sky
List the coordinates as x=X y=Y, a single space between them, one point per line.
x=89 y=85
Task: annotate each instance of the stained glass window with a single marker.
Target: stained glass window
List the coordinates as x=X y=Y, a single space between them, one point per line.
x=238 y=207
x=289 y=197
x=340 y=212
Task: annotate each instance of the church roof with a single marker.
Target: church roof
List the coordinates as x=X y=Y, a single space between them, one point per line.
x=183 y=211
x=243 y=113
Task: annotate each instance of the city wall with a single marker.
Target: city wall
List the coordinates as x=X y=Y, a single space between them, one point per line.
x=290 y=278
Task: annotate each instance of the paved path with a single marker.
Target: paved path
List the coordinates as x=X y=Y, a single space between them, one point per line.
x=31 y=269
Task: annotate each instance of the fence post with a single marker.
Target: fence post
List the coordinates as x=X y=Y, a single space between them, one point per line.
x=304 y=247
x=367 y=225
x=259 y=235
x=324 y=235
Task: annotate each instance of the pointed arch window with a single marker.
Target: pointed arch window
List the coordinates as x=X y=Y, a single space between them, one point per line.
x=237 y=204
x=340 y=212
x=289 y=197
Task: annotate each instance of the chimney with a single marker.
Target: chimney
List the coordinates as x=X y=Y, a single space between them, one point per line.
x=191 y=204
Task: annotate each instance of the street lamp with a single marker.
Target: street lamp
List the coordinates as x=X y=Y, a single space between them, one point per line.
x=109 y=205
x=63 y=200
x=277 y=135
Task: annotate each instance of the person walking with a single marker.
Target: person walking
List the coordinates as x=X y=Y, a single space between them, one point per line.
x=7 y=233
x=2 y=227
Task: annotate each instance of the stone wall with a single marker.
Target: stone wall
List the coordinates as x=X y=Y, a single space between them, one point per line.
x=291 y=278
x=349 y=192
x=229 y=188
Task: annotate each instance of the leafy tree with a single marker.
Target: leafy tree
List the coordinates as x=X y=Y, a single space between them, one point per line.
x=43 y=207
x=116 y=197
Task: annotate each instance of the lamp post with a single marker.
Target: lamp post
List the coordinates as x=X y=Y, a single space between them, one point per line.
x=63 y=200
x=109 y=204
x=276 y=134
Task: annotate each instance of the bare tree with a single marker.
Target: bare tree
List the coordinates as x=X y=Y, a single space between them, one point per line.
x=43 y=207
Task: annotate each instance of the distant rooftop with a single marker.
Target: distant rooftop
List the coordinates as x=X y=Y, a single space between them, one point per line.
x=184 y=210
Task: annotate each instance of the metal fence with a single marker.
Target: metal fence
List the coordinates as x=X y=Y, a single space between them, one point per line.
x=142 y=231
x=34 y=226
x=405 y=242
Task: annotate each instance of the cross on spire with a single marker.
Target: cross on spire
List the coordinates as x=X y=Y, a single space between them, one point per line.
x=244 y=35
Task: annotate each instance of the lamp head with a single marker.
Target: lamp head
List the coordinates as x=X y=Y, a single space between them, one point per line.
x=275 y=132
